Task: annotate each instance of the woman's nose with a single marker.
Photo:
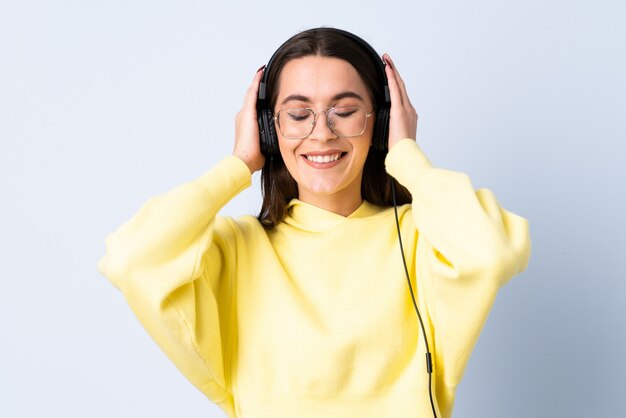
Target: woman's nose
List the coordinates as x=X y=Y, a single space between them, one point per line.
x=321 y=130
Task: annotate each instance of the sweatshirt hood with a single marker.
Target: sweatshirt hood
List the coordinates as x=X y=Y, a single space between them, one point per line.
x=311 y=218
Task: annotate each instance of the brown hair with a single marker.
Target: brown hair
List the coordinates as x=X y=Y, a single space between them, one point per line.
x=277 y=185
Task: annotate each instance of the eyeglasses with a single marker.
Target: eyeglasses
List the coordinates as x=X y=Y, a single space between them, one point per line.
x=343 y=121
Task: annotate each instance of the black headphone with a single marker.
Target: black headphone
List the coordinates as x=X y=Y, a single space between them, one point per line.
x=265 y=115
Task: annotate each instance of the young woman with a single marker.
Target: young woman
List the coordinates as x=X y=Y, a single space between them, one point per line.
x=305 y=310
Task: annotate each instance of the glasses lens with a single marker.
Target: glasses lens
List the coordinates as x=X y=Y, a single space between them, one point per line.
x=295 y=123
x=347 y=121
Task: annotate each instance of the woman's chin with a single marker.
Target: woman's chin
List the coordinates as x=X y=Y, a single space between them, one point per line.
x=321 y=190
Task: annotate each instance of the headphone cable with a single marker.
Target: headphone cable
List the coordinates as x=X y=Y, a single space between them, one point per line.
x=429 y=363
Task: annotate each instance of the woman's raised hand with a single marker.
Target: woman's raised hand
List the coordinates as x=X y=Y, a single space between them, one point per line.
x=402 y=117
x=247 y=140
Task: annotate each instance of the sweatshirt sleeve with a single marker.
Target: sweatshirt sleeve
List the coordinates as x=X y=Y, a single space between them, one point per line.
x=468 y=247
x=167 y=258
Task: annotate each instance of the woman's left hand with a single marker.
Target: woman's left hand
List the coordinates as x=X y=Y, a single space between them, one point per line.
x=402 y=117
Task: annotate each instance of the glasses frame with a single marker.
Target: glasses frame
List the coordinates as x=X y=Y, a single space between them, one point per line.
x=315 y=114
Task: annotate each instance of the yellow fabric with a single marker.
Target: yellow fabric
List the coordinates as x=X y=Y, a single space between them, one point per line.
x=314 y=319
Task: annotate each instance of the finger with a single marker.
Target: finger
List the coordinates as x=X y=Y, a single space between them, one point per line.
x=403 y=92
x=394 y=88
x=253 y=90
x=249 y=101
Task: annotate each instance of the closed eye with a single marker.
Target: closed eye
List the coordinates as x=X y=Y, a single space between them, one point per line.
x=345 y=114
x=299 y=116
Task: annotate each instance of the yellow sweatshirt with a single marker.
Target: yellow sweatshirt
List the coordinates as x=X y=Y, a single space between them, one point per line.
x=314 y=319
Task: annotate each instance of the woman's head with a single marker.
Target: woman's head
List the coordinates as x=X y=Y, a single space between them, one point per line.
x=323 y=68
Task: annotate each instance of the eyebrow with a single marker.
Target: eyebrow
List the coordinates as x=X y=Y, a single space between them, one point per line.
x=306 y=99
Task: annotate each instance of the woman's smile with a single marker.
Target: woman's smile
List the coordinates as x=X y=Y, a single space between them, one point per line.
x=324 y=159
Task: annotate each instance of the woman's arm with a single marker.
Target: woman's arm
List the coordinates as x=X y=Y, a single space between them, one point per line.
x=174 y=270
x=468 y=246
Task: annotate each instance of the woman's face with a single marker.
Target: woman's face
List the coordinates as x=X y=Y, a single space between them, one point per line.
x=321 y=82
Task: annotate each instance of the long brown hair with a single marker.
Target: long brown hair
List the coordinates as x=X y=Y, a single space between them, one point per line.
x=277 y=185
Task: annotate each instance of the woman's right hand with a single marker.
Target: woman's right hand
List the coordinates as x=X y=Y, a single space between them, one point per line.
x=247 y=140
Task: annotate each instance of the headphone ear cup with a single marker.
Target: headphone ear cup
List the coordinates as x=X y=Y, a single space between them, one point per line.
x=267 y=133
x=272 y=138
x=381 y=129
x=262 y=130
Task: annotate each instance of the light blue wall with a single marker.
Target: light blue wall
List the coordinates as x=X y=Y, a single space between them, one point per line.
x=104 y=104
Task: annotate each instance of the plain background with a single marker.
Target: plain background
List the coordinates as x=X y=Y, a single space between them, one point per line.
x=104 y=104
